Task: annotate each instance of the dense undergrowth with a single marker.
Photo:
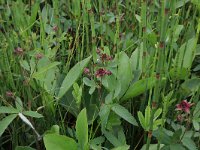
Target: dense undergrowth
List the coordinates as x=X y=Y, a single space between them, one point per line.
x=89 y=74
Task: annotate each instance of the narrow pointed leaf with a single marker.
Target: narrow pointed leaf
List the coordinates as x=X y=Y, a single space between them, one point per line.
x=124 y=113
x=32 y=114
x=124 y=72
x=138 y=88
x=45 y=69
x=147 y=115
x=4 y=123
x=82 y=129
x=9 y=110
x=72 y=76
x=59 y=142
x=142 y=120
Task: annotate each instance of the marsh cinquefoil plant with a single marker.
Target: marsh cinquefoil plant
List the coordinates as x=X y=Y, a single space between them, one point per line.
x=96 y=74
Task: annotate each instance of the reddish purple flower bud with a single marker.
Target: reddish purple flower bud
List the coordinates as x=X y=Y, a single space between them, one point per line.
x=18 y=51
x=55 y=28
x=180 y=118
x=98 y=51
x=38 y=56
x=109 y=58
x=86 y=71
x=108 y=72
x=184 y=106
x=102 y=72
x=105 y=57
x=9 y=94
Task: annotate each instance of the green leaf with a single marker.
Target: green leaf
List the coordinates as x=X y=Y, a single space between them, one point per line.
x=19 y=104
x=196 y=2
x=186 y=54
x=157 y=113
x=196 y=125
x=181 y=3
x=136 y=57
x=142 y=120
x=125 y=147
x=72 y=76
x=34 y=11
x=24 y=148
x=32 y=114
x=197 y=68
x=4 y=123
x=88 y=82
x=189 y=53
x=138 y=18
x=179 y=73
x=138 y=88
x=44 y=69
x=82 y=129
x=177 y=32
x=191 y=84
x=176 y=136
x=189 y=143
x=124 y=75
x=92 y=89
x=152 y=146
x=162 y=135
x=147 y=116
x=59 y=142
x=9 y=110
x=177 y=147
x=180 y=56
x=55 y=129
x=112 y=139
x=196 y=112
x=113 y=120
x=157 y=123
x=97 y=140
x=124 y=113
x=104 y=114
x=25 y=65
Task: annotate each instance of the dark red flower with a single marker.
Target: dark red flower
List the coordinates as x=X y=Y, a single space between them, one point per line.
x=184 y=106
x=55 y=28
x=9 y=94
x=105 y=57
x=98 y=51
x=38 y=56
x=18 y=51
x=86 y=71
x=102 y=72
x=108 y=72
x=180 y=118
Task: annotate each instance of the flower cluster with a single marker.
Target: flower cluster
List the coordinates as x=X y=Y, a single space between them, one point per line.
x=18 y=51
x=86 y=71
x=55 y=28
x=9 y=94
x=99 y=73
x=104 y=57
x=39 y=56
x=184 y=109
x=184 y=106
x=102 y=72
